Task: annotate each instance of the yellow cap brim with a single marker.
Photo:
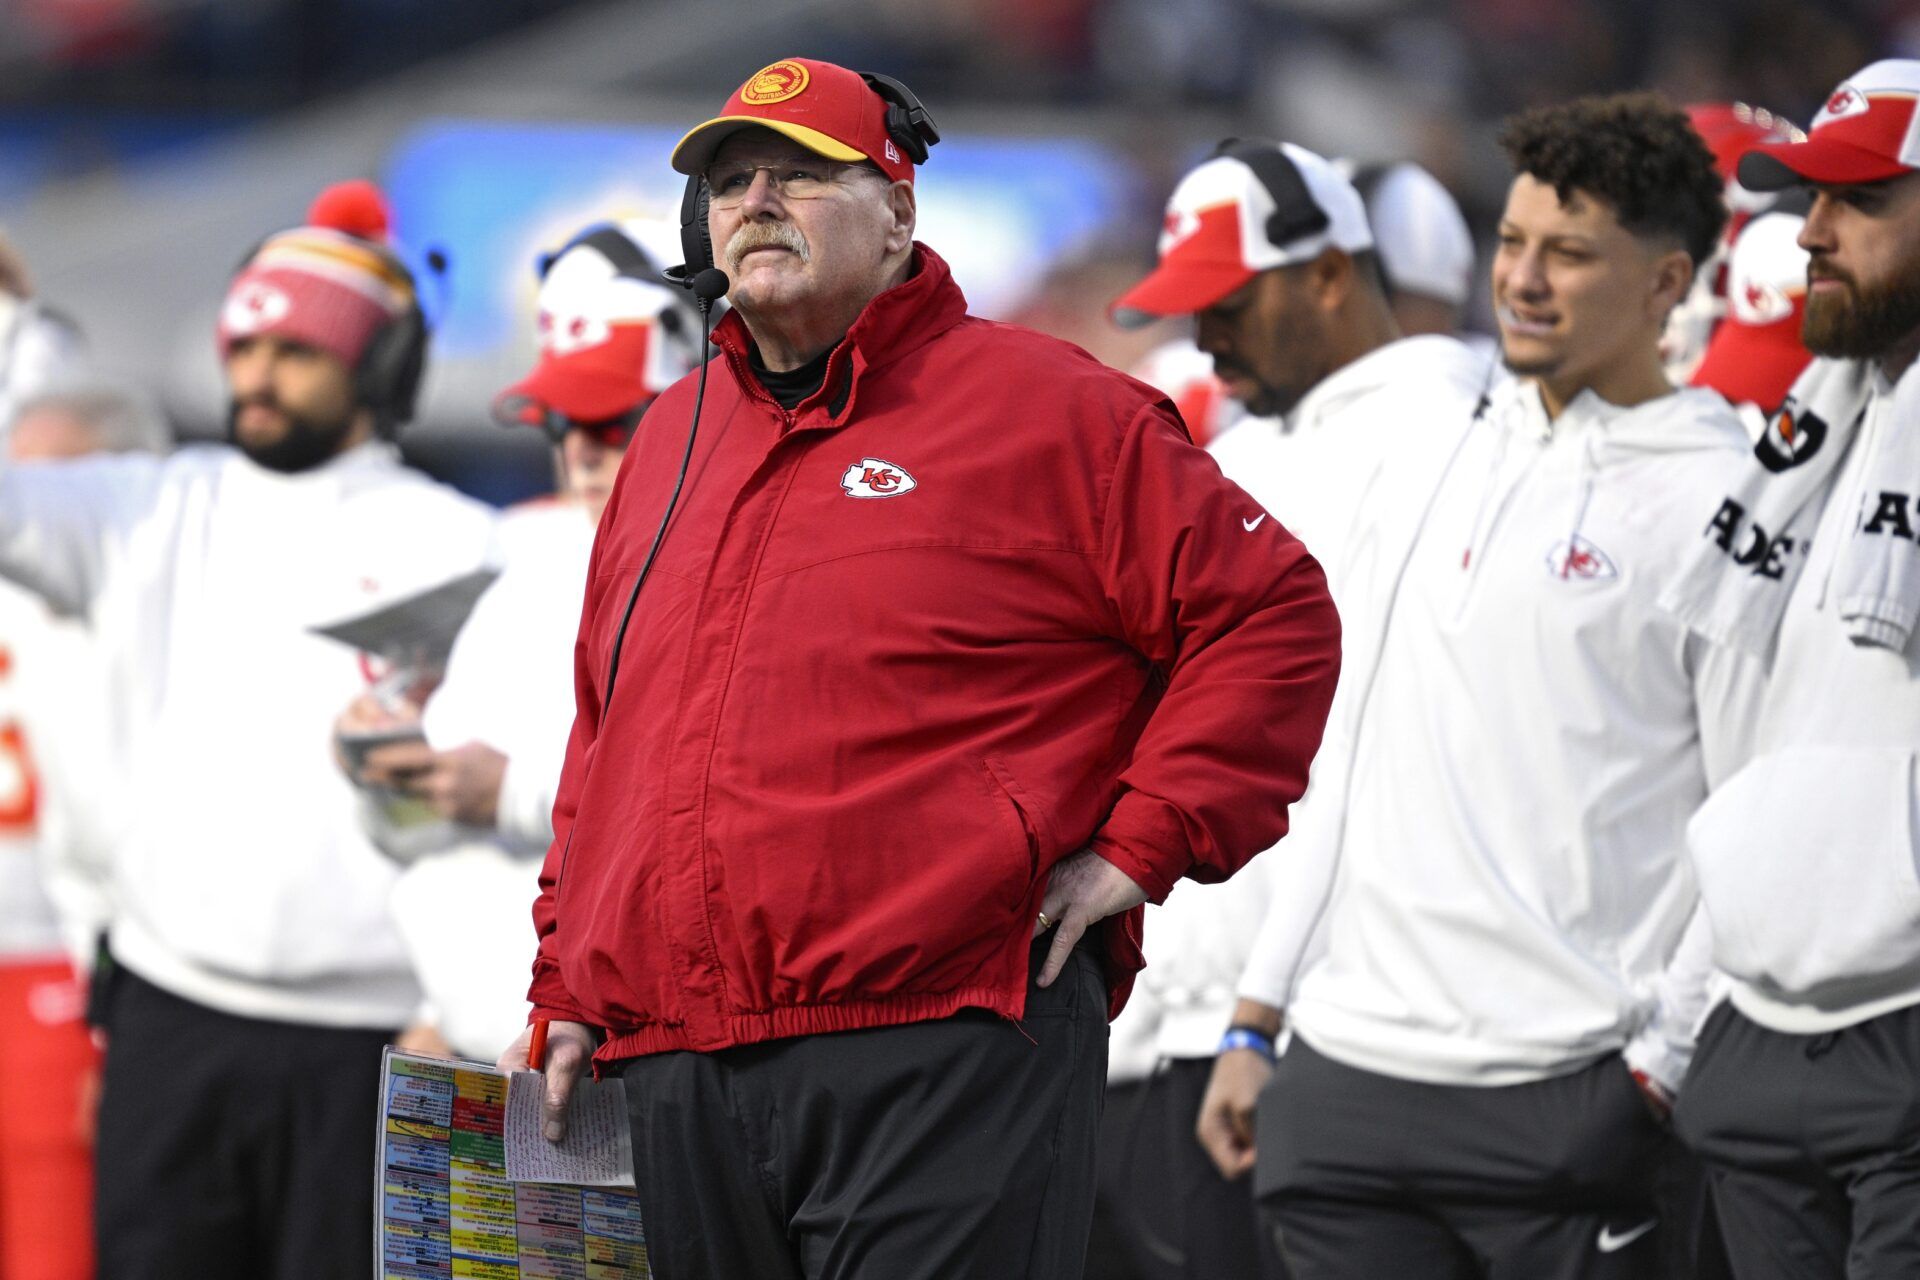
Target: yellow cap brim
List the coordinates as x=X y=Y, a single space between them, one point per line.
x=695 y=149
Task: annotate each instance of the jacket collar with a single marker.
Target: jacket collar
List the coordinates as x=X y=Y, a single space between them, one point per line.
x=895 y=323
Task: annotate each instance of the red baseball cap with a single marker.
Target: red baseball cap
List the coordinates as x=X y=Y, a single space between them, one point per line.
x=1757 y=352
x=1867 y=131
x=827 y=109
x=1731 y=129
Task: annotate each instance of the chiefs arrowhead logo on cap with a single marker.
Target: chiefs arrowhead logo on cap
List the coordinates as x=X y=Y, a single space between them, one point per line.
x=1845 y=101
x=774 y=83
x=874 y=478
x=254 y=306
x=1760 y=302
x=1179 y=225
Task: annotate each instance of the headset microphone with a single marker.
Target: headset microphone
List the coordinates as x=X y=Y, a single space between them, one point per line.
x=709 y=286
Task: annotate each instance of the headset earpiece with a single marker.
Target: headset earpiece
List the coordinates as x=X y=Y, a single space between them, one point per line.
x=908 y=122
x=696 y=241
x=1296 y=214
x=391 y=368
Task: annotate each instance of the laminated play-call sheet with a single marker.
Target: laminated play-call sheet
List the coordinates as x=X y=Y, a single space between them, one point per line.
x=460 y=1152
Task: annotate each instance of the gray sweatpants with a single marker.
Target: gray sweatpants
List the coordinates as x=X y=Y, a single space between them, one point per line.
x=1813 y=1143
x=1367 y=1176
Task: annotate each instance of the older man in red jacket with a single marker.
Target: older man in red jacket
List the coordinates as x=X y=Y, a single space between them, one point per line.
x=954 y=652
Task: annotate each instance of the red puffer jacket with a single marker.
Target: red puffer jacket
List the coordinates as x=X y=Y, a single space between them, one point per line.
x=976 y=604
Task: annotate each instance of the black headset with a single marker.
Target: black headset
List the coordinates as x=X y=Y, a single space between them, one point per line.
x=908 y=122
x=1296 y=214
x=388 y=376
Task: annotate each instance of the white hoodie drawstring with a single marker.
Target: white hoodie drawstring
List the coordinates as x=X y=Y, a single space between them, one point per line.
x=1488 y=486
x=1589 y=471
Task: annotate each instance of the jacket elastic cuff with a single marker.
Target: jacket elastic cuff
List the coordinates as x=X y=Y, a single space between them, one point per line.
x=1143 y=839
x=549 y=996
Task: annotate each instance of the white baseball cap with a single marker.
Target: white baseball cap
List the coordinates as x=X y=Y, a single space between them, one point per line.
x=1248 y=208
x=1418 y=231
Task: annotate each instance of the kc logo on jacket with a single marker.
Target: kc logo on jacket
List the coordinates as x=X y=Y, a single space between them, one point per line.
x=875 y=478
x=1578 y=558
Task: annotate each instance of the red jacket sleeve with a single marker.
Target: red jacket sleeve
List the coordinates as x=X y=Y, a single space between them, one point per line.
x=1236 y=614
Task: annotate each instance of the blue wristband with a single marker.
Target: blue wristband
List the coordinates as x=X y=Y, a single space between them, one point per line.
x=1246 y=1038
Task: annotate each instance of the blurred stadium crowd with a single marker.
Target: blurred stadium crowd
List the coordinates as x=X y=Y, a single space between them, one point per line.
x=569 y=331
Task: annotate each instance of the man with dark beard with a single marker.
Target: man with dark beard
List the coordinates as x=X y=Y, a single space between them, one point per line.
x=255 y=973
x=1805 y=1094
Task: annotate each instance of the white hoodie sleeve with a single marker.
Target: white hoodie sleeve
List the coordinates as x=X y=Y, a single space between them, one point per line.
x=1301 y=871
x=1663 y=1048
x=1727 y=684
x=62 y=524
x=525 y=805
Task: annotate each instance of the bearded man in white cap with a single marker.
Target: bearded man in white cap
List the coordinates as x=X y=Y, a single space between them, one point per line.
x=1805 y=1096
x=1269 y=247
x=254 y=971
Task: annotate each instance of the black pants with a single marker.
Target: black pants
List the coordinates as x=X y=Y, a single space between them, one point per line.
x=1813 y=1143
x=230 y=1147
x=1163 y=1208
x=1366 y=1176
x=956 y=1149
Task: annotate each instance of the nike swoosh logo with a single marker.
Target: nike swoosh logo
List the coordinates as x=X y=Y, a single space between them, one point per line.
x=1251 y=525
x=1611 y=1243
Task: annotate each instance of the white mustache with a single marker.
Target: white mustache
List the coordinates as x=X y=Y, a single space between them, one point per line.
x=755 y=235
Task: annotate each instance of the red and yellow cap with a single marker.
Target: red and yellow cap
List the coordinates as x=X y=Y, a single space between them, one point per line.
x=827 y=109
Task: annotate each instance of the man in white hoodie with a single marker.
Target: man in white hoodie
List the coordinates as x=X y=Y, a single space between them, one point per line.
x=255 y=973
x=1805 y=1096
x=1479 y=1040
x=613 y=335
x=1269 y=247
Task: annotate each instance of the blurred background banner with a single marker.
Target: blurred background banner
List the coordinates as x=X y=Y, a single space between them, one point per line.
x=146 y=144
x=494 y=196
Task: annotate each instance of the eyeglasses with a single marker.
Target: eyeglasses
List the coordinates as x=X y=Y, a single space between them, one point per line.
x=609 y=433
x=728 y=183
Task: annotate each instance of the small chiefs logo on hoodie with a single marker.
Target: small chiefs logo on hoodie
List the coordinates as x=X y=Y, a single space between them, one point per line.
x=1578 y=558
x=873 y=478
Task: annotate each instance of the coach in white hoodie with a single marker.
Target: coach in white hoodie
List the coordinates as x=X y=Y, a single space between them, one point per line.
x=1500 y=804
x=256 y=972
x=1268 y=246
x=1805 y=1098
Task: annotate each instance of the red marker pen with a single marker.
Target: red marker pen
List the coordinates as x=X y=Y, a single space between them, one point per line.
x=537 y=1047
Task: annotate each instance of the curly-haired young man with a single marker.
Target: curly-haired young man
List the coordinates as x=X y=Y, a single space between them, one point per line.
x=1484 y=1042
